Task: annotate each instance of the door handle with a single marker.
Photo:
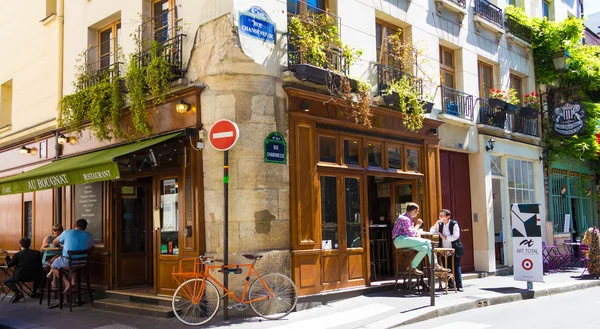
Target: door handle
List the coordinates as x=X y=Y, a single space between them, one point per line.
x=465 y=230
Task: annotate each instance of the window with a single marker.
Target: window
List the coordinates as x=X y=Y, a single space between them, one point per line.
x=486 y=79
x=28 y=218
x=495 y=163
x=353 y=235
x=169 y=215
x=5 y=104
x=395 y=157
x=447 y=67
x=329 y=219
x=374 y=154
x=327 y=149
x=520 y=181
x=412 y=160
x=352 y=152
x=382 y=32
x=517 y=84
x=512 y=2
x=296 y=7
x=546 y=9
x=164 y=20
x=108 y=43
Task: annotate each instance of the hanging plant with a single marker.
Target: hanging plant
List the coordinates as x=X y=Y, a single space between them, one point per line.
x=408 y=103
x=158 y=74
x=136 y=86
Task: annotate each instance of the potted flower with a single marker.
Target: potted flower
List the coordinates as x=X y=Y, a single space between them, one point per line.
x=512 y=101
x=531 y=105
x=496 y=99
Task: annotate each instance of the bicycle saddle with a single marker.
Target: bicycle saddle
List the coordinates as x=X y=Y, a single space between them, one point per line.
x=252 y=257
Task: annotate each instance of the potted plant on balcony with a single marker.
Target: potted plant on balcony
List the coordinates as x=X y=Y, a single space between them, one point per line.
x=406 y=98
x=512 y=101
x=497 y=99
x=531 y=105
x=322 y=57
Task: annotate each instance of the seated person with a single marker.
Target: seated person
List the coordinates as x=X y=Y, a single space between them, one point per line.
x=76 y=239
x=28 y=267
x=48 y=244
x=405 y=236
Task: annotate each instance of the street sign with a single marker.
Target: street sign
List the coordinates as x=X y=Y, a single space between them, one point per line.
x=275 y=148
x=223 y=135
x=527 y=242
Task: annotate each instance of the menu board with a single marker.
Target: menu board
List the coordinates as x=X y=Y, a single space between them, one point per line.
x=88 y=205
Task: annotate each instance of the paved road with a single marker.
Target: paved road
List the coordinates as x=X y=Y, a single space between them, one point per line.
x=564 y=311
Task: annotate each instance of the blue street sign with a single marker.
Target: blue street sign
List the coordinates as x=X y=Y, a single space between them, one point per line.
x=255 y=23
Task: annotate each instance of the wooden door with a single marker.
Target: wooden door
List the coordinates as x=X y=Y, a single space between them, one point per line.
x=133 y=236
x=456 y=197
x=343 y=231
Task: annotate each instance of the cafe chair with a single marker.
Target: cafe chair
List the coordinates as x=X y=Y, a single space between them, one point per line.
x=443 y=276
x=78 y=265
x=403 y=259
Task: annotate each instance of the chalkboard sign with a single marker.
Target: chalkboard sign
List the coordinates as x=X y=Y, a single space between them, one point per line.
x=88 y=205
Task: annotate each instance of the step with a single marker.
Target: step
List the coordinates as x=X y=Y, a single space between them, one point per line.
x=138 y=297
x=133 y=308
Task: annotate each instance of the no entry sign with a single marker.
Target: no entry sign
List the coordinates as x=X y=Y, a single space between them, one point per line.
x=223 y=135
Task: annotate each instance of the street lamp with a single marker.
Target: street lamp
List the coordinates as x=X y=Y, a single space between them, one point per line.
x=560 y=60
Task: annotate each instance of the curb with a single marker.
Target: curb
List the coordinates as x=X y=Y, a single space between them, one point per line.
x=516 y=296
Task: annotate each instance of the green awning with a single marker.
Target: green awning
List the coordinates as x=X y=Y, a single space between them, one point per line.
x=86 y=168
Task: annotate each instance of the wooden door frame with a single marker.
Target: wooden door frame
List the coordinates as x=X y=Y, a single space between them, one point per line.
x=117 y=196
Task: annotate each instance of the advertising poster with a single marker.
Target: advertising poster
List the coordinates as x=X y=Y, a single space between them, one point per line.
x=527 y=242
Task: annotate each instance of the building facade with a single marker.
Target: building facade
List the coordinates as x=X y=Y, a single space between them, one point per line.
x=321 y=216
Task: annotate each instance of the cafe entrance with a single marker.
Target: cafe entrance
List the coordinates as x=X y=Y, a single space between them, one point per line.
x=133 y=233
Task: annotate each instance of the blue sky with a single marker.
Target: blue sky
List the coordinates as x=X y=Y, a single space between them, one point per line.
x=591 y=6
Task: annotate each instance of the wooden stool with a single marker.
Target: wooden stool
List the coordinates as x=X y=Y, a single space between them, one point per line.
x=445 y=276
x=408 y=255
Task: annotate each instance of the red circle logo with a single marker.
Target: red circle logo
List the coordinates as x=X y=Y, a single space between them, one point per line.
x=527 y=264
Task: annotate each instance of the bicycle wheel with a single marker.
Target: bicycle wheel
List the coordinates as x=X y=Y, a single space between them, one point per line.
x=281 y=303
x=196 y=301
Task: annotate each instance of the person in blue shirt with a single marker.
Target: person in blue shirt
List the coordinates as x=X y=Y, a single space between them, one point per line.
x=76 y=239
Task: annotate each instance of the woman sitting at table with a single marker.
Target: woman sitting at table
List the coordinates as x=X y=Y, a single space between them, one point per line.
x=449 y=238
x=50 y=250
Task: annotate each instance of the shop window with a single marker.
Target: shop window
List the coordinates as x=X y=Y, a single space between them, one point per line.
x=351 y=152
x=353 y=227
x=395 y=157
x=520 y=181
x=327 y=149
x=169 y=243
x=374 y=154
x=329 y=220
x=412 y=160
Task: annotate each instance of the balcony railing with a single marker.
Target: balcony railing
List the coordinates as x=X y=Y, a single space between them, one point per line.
x=518 y=29
x=461 y=3
x=171 y=50
x=508 y=121
x=457 y=103
x=387 y=75
x=527 y=126
x=335 y=61
x=102 y=63
x=490 y=12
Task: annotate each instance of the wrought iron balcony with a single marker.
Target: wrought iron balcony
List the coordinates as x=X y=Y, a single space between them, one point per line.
x=491 y=116
x=489 y=11
x=335 y=61
x=527 y=126
x=518 y=29
x=101 y=64
x=457 y=103
x=387 y=75
x=171 y=50
x=460 y=3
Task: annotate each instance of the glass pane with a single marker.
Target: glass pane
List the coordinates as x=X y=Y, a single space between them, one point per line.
x=315 y=5
x=448 y=59
x=394 y=158
x=351 y=152
x=530 y=175
x=524 y=176
x=353 y=213
x=327 y=149
x=404 y=195
x=449 y=80
x=378 y=35
x=169 y=216
x=495 y=163
x=518 y=174
x=510 y=165
x=293 y=7
x=374 y=152
x=519 y=198
x=329 y=213
x=512 y=195
x=133 y=223
x=532 y=196
x=525 y=196
x=412 y=160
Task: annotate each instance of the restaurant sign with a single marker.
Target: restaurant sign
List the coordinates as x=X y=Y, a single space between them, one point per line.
x=568 y=119
x=256 y=23
x=275 y=148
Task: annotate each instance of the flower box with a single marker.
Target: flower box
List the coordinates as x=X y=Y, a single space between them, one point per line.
x=528 y=112
x=393 y=99
x=316 y=74
x=497 y=103
x=510 y=108
x=427 y=106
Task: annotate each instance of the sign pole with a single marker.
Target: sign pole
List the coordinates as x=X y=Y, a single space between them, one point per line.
x=226 y=229
x=432 y=278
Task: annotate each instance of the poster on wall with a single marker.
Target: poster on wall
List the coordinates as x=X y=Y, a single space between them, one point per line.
x=527 y=242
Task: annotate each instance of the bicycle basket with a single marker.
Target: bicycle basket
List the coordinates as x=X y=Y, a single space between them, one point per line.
x=188 y=268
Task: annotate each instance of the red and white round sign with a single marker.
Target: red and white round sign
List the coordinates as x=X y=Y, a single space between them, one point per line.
x=223 y=135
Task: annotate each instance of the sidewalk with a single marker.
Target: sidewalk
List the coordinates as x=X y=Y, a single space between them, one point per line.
x=381 y=310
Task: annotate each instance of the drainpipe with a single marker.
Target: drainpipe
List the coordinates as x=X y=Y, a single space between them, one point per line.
x=60 y=16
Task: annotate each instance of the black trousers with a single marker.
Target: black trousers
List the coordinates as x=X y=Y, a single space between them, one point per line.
x=11 y=283
x=457 y=269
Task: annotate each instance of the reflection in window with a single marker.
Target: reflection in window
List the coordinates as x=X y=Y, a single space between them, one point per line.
x=353 y=213
x=329 y=213
x=169 y=216
x=394 y=158
x=412 y=160
x=374 y=152
x=351 y=152
x=327 y=149
x=495 y=162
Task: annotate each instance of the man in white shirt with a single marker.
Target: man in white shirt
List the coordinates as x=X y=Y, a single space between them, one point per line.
x=449 y=237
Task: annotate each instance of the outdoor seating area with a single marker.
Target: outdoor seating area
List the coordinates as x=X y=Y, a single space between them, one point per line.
x=566 y=256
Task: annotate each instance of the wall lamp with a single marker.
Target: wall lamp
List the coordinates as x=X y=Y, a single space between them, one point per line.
x=62 y=139
x=305 y=106
x=24 y=150
x=560 y=60
x=182 y=107
x=491 y=143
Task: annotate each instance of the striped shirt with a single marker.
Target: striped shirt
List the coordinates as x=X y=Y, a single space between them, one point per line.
x=404 y=227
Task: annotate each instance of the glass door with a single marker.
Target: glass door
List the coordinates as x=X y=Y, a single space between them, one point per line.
x=343 y=231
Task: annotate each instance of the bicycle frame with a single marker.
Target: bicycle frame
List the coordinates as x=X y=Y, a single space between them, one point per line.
x=228 y=292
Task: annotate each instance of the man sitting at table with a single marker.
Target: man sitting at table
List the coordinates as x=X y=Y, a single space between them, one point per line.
x=405 y=236
x=28 y=267
x=72 y=240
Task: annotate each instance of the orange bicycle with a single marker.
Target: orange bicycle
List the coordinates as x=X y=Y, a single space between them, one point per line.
x=197 y=299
